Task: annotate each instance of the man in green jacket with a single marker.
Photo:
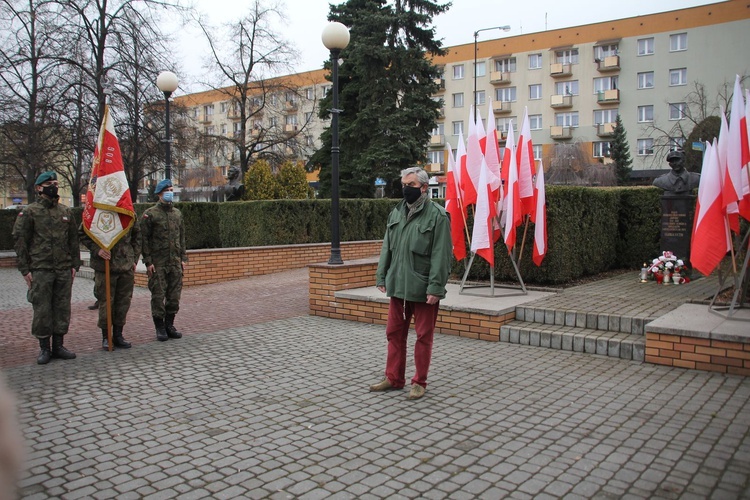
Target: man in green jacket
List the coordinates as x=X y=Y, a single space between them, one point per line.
x=413 y=270
x=46 y=243
x=123 y=259
x=166 y=258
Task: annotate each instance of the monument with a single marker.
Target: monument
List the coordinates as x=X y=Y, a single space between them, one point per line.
x=677 y=206
x=234 y=189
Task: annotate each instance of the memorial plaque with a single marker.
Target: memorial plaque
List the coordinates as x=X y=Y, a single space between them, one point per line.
x=677 y=224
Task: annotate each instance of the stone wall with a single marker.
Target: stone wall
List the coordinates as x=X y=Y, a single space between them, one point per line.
x=698 y=353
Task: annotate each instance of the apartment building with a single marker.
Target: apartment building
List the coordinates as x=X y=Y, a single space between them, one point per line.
x=573 y=82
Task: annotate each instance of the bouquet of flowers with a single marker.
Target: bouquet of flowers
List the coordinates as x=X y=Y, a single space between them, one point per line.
x=667 y=263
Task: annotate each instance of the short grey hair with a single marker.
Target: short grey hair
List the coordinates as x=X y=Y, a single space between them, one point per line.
x=422 y=176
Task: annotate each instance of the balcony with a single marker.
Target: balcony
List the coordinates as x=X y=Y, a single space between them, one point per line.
x=605 y=129
x=557 y=132
x=290 y=128
x=608 y=96
x=441 y=113
x=557 y=70
x=255 y=132
x=561 y=101
x=502 y=136
x=440 y=82
x=437 y=140
x=434 y=168
x=207 y=118
x=501 y=107
x=291 y=105
x=499 y=77
x=609 y=63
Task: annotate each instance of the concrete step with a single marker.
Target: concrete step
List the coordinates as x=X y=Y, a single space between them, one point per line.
x=571 y=338
x=622 y=322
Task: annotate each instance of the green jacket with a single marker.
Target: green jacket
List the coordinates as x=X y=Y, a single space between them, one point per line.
x=125 y=253
x=416 y=256
x=46 y=238
x=163 y=236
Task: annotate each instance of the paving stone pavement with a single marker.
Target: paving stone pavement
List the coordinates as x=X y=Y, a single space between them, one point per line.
x=279 y=408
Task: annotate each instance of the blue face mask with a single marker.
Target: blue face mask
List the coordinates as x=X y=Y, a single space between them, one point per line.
x=168 y=196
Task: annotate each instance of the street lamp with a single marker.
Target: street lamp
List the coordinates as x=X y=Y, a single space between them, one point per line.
x=167 y=83
x=476 y=35
x=335 y=38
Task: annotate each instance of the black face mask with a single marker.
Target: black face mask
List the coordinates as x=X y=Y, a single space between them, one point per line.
x=411 y=194
x=50 y=191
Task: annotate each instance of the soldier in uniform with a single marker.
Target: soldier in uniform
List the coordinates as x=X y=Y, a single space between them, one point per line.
x=163 y=235
x=123 y=259
x=46 y=242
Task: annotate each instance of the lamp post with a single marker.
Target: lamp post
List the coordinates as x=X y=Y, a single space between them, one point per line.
x=167 y=83
x=476 y=35
x=335 y=38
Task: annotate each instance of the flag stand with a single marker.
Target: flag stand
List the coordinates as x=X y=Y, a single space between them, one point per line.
x=738 y=288
x=522 y=286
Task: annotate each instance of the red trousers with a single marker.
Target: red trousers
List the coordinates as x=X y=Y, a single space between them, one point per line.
x=396 y=331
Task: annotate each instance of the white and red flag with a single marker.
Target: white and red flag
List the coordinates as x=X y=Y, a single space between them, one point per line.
x=729 y=201
x=512 y=202
x=482 y=241
x=711 y=237
x=470 y=176
x=454 y=208
x=460 y=169
x=745 y=175
x=737 y=156
x=539 y=218
x=108 y=213
x=525 y=160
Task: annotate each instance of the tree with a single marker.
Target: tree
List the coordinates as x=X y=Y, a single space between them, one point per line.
x=386 y=86
x=259 y=181
x=292 y=181
x=706 y=131
x=620 y=153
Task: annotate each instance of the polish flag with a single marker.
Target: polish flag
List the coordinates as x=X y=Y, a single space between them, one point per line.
x=454 y=208
x=492 y=158
x=474 y=155
x=460 y=170
x=710 y=241
x=512 y=199
x=481 y=235
x=729 y=201
x=525 y=160
x=108 y=213
x=539 y=218
x=737 y=154
x=745 y=175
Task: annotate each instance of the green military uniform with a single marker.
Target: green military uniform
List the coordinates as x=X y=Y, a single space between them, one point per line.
x=163 y=235
x=46 y=243
x=124 y=257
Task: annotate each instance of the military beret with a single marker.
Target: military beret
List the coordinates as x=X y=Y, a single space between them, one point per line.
x=44 y=177
x=163 y=184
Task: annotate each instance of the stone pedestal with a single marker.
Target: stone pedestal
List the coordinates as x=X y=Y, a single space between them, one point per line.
x=677 y=224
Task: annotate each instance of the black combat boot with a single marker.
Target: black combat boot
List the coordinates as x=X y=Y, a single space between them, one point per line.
x=161 y=332
x=117 y=339
x=105 y=340
x=169 y=325
x=58 y=351
x=45 y=354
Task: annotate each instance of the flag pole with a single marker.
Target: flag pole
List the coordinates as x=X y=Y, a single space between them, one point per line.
x=523 y=238
x=109 y=304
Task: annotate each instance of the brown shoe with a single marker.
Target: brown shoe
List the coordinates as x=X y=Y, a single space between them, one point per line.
x=383 y=385
x=417 y=391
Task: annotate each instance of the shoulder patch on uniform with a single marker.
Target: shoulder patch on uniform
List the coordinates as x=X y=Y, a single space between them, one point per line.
x=65 y=218
x=20 y=214
x=145 y=216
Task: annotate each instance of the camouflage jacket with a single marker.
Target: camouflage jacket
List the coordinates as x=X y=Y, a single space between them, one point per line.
x=163 y=236
x=46 y=237
x=125 y=253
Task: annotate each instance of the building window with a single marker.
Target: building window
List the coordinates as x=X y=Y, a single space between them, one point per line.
x=458 y=100
x=566 y=88
x=208 y=111
x=535 y=61
x=458 y=72
x=325 y=90
x=237 y=128
x=535 y=91
x=195 y=112
x=481 y=69
x=569 y=119
x=309 y=94
x=223 y=107
x=677 y=77
x=537 y=151
x=645 y=147
x=290 y=120
x=677 y=110
x=569 y=56
x=678 y=42
x=273 y=121
x=503 y=124
x=507 y=65
x=605 y=83
x=308 y=117
x=535 y=122
x=646 y=46
x=605 y=116
x=435 y=156
x=224 y=129
x=480 y=98
x=602 y=51
x=646 y=80
x=601 y=149
x=439 y=130
x=458 y=128
x=676 y=143
x=645 y=113
x=309 y=141
x=507 y=94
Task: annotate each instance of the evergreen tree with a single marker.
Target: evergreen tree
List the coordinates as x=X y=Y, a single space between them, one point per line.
x=260 y=183
x=386 y=84
x=292 y=181
x=620 y=153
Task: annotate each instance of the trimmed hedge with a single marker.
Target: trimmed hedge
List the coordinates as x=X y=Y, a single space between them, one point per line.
x=590 y=230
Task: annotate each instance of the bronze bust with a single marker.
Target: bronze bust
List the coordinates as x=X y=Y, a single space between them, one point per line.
x=679 y=181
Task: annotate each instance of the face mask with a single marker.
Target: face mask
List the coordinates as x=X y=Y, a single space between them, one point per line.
x=412 y=194
x=50 y=191
x=168 y=196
